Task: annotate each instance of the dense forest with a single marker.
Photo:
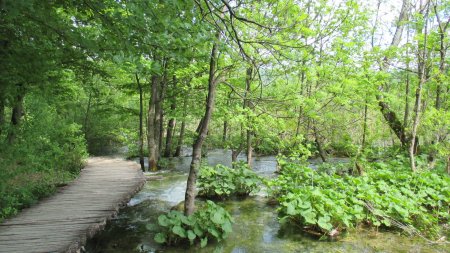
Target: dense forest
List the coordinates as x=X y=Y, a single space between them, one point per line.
x=299 y=79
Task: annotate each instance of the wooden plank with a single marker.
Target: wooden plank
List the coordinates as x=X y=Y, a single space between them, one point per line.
x=63 y=222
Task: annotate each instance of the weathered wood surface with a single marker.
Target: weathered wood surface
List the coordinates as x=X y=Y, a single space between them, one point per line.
x=63 y=222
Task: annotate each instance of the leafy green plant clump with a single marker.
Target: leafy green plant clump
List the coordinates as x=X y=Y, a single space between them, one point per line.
x=209 y=222
x=47 y=152
x=389 y=197
x=223 y=182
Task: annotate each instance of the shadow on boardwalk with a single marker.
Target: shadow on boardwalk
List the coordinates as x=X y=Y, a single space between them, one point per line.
x=63 y=222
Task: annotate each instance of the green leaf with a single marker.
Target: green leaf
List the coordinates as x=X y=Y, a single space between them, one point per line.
x=324 y=222
x=227 y=228
x=178 y=230
x=309 y=216
x=163 y=220
x=160 y=238
x=198 y=231
x=290 y=209
x=191 y=235
x=217 y=218
x=214 y=232
x=203 y=242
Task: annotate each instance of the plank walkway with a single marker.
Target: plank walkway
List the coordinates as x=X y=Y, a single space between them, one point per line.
x=63 y=222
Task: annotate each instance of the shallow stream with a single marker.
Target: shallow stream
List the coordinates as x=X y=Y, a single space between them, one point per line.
x=255 y=228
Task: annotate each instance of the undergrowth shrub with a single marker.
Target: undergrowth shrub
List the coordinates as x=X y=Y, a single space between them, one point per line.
x=222 y=182
x=387 y=197
x=209 y=222
x=48 y=151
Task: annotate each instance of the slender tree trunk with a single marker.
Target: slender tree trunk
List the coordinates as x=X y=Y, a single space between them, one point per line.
x=299 y=121
x=442 y=52
x=160 y=131
x=141 y=125
x=182 y=129
x=422 y=54
x=300 y=109
x=249 y=148
x=448 y=165
x=151 y=126
x=225 y=122
x=159 y=119
x=235 y=152
x=234 y=155
x=407 y=88
x=247 y=104
x=363 y=144
x=319 y=145
x=225 y=130
x=171 y=125
x=169 y=137
x=189 y=203
x=16 y=116
x=406 y=116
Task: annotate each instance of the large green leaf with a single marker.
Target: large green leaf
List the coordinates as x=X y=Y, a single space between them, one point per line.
x=324 y=223
x=178 y=230
x=160 y=238
x=191 y=235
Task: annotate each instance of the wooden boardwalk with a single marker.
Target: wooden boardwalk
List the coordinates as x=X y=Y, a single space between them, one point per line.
x=63 y=222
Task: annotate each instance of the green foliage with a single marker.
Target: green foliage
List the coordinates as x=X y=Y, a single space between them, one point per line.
x=334 y=168
x=223 y=182
x=209 y=222
x=48 y=151
x=392 y=197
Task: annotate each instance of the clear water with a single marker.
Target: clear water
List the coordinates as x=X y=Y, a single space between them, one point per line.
x=256 y=228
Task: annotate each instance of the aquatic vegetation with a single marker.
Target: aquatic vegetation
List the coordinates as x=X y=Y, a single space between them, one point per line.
x=222 y=182
x=209 y=222
x=391 y=197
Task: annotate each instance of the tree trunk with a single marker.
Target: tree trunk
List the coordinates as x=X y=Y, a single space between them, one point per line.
x=363 y=144
x=234 y=155
x=319 y=145
x=249 y=148
x=422 y=54
x=189 y=202
x=442 y=52
x=182 y=129
x=225 y=130
x=159 y=118
x=151 y=126
x=16 y=117
x=394 y=123
x=170 y=126
x=141 y=125
x=160 y=131
x=390 y=116
x=247 y=104
x=169 y=137
x=406 y=115
x=448 y=165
